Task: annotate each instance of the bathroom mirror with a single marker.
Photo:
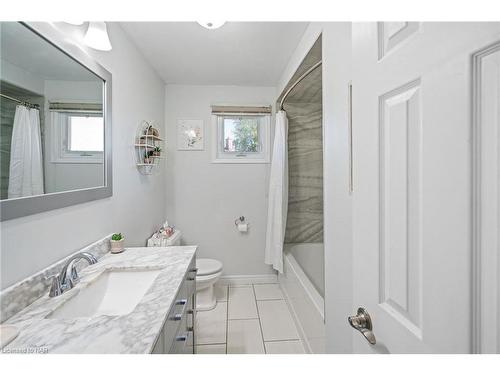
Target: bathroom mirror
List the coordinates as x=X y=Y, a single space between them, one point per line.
x=55 y=135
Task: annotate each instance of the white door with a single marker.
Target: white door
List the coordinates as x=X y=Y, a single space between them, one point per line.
x=412 y=202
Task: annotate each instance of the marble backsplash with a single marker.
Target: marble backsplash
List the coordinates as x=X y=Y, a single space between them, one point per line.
x=16 y=297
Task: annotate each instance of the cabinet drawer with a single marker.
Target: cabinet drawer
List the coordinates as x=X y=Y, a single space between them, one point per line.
x=183 y=341
x=177 y=334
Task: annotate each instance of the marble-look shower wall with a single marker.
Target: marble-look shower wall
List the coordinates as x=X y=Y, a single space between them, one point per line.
x=305 y=168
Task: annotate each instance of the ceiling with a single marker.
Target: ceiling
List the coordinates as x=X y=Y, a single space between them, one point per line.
x=26 y=50
x=238 y=53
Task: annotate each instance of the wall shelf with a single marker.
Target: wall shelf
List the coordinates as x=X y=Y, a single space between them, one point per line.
x=146 y=141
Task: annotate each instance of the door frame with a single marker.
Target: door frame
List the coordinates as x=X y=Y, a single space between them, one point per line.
x=478 y=251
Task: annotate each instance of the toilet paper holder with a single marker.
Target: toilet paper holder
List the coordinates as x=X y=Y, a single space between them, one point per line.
x=240 y=220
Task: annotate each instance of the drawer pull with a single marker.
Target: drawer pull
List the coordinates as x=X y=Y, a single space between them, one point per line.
x=192 y=270
x=181 y=302
x=181 y=338
x=176 y=317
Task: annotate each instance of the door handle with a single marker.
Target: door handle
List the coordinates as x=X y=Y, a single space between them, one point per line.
x=363 y=323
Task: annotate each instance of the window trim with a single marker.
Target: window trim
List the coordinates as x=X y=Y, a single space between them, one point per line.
x=232 y=157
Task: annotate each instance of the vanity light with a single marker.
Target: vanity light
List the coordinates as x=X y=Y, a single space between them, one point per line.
x=97 y=36
x=211 y=24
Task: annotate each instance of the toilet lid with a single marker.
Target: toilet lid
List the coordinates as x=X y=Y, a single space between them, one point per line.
x=208 y=266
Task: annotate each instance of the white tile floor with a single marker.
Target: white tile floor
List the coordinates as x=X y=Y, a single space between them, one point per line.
x=248 y=319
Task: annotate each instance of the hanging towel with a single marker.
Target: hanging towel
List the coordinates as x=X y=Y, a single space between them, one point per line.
x=25 y=170
x=278 y=195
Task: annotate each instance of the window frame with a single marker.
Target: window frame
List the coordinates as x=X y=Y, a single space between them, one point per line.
x=264 y=131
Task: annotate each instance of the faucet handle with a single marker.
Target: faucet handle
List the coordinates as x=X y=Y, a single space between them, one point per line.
x=55 y=286
x=74 y=276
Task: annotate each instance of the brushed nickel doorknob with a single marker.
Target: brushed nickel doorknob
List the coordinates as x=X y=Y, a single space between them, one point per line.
x=363 y=323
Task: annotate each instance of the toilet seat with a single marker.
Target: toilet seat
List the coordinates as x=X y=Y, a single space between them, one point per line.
x=208 y=266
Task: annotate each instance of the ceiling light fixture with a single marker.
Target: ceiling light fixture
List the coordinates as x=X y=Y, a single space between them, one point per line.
x=75 y=23
x=211 y=24
x=97 y=36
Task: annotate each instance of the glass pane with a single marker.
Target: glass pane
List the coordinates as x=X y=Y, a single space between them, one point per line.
x=86 y=134
x=241 y=134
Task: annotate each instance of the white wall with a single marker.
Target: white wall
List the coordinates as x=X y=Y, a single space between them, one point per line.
x=138 y=202
x=22 y=78
x=204 y=199
x=336 y=44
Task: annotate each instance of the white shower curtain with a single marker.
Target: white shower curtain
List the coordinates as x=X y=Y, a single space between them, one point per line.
x=278 y=195
x=26 y=170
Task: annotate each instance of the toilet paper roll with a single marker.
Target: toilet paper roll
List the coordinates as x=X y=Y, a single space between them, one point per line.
x=243 y=227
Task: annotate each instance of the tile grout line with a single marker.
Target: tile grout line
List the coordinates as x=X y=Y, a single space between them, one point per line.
x=285 y=340
x=237 y=319
x=227 y=314
x=260 y=323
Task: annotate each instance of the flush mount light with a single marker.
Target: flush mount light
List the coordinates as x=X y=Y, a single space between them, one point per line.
x=76 y=23
x=97 y=36
x=211 y=24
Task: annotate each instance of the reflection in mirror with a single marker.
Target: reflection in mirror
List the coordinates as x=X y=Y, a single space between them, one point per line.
x=52 y=128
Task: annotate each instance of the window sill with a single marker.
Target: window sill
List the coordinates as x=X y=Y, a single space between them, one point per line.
x=77 y=161
x=240 y=161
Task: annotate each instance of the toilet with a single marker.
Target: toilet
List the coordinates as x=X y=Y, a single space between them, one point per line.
x=209 y=271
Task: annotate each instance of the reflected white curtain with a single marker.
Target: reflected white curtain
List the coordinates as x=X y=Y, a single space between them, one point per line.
x=278 y=195
x=26 y=169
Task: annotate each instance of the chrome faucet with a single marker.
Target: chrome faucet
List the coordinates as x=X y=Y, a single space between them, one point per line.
x=68 y=277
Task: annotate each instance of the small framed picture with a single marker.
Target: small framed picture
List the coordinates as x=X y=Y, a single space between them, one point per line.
x=190 y=135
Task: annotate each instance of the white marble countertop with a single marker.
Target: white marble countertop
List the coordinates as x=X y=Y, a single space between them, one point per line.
x=132 y=333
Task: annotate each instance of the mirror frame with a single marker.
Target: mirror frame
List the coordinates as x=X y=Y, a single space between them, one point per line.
x=24 y=206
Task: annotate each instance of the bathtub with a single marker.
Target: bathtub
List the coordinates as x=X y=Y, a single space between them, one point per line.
x=302 y=281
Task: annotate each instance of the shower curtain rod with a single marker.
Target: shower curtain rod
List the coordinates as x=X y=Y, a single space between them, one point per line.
x=22 y=102
x=308 y=71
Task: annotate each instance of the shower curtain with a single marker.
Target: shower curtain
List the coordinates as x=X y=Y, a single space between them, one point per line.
x=25 y=171
x=278 y=195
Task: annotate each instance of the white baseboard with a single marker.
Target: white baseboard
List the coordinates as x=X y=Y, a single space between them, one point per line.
x=248 y=279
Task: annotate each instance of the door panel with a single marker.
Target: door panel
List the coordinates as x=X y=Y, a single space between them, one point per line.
x=412 y=178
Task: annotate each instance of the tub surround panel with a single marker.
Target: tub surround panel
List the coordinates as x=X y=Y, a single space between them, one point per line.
x=304 y=110
x=305 y=173
x=18 y=296
x=132 y=333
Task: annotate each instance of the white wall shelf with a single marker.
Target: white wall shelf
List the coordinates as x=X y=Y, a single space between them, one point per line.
x=146 y=141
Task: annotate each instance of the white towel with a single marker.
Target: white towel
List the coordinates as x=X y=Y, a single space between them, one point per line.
x=278 y=195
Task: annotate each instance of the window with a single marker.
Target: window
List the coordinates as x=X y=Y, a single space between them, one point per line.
x=79 y=137
x=241 y=138
x=85 y=134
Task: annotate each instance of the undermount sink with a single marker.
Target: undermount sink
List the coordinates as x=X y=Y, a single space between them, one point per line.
x=114 y=292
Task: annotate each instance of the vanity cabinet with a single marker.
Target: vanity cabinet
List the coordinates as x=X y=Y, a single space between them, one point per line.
x=177 y=335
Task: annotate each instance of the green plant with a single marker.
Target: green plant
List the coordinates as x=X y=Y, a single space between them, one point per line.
x=157 y=149
x=117 y=237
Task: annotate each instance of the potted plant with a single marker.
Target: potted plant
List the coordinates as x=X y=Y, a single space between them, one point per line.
x=117 y=242
x=147 y=157
x=157 y=151
x=152 y=131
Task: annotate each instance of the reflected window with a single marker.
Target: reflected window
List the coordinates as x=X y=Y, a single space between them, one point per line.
x=85 y=133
